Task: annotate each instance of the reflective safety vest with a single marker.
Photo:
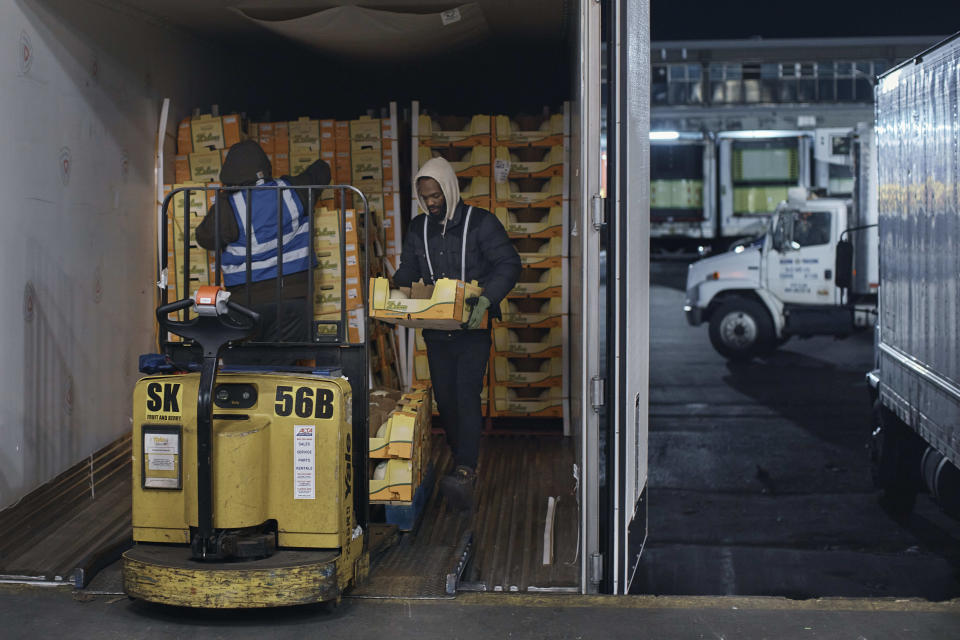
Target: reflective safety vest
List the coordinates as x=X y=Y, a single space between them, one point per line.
x=263 y=235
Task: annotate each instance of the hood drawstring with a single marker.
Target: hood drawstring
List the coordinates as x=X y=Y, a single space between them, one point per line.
x=463 y=247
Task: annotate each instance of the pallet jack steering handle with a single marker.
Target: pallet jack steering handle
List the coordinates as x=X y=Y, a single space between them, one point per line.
x=212 y=330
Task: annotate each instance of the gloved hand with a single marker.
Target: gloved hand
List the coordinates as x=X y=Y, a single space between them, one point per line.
x=480 y=306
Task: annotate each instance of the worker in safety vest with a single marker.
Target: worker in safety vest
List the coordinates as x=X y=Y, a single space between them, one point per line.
x=247 y=165
x=454 y=240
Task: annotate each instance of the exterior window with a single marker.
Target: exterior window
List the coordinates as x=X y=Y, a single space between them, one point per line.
x=811 y=228
x=826 y=83
x=807 y=83
x=725 y=87
x=844 y=82
x=684 y=82
x=658 y=88
x=863 y=82
x=769 y=82
x=788 y=82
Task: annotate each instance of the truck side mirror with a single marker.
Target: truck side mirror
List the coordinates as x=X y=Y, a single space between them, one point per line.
x=844 y=264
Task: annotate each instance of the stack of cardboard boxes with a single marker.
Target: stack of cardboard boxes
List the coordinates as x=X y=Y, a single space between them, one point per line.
x=531 y=199
x=465 y=142
x=182 y=242
x=202 y=144
x=399 y=445
x=337 y=277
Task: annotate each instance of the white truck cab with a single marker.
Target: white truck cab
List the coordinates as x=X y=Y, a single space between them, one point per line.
x=782 y=283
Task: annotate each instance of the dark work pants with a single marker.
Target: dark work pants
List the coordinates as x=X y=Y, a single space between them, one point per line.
x=290 y=326
x=458 y=362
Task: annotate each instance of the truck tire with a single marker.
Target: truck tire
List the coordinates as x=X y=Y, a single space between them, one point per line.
x=895 y=453
x=741 y=329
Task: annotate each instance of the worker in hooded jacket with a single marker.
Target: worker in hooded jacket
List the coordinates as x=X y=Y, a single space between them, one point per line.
x=454 y=240
x=247 y=165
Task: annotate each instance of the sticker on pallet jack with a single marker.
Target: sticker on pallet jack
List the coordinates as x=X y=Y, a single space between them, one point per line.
x=161 y=457
x=304 y=456
x=164 y=401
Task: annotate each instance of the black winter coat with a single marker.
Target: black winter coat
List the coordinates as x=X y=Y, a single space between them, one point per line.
x=491 y=258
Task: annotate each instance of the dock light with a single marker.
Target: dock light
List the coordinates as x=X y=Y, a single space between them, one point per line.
x=664 y=135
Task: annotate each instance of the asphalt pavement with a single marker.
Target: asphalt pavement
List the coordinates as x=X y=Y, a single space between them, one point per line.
x=760 y=478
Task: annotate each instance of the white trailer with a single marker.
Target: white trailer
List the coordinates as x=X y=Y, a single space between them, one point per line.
x=683 y=190
x=916 y=385
x=757 y=168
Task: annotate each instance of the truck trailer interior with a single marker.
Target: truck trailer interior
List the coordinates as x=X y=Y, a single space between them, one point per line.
x=92 y=79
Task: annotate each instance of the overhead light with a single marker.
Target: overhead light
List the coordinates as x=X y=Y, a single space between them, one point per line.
x=761 y=134
x=664 y=135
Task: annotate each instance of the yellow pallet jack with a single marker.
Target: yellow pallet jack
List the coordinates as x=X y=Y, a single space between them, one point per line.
x=250 y=487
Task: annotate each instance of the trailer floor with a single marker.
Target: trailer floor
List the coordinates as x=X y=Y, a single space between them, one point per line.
x=518 y=476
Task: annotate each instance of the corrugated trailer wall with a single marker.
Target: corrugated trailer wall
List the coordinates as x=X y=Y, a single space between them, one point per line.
x=79 y=110
x=918 y=134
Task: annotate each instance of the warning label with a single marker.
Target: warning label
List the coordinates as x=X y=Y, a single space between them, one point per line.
x=304 y=460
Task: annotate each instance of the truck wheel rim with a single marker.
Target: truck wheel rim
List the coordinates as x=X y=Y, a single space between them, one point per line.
x=738 y=330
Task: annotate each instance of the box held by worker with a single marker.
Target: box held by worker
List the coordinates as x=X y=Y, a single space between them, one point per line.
x=440 y=306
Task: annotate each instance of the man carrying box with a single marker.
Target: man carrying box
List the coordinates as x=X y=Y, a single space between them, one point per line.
x=247 y=165
x=453 y=240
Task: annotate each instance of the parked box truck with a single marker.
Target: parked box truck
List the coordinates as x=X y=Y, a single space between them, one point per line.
x=916 y=384
x=787 y=281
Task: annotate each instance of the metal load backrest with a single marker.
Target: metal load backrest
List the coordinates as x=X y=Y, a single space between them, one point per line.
x=331 y=353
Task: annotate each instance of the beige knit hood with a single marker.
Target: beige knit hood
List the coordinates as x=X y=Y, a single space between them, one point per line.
x=441 y=171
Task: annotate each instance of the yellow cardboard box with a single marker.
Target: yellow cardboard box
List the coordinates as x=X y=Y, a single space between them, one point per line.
x=527 y=371
x=444 y=308
x=329 y=266
x=538 y=192
x=355 y=330
x=474 y=187
x=328 y=295
x=530 y=130
x=467 y=162
x=540 y=283
x=531 y=312
x=397 y=483
x=421 y=369
x=365 y=134
x=304 y=135
x=202 y=166
x=532 y=221
x=463 y=132
x=367 y=165
x=539 y=252
x=548 y=161
x=300 y=160
x=539 y=342
x=326 y=228
x=546 y=402
x=208 y=132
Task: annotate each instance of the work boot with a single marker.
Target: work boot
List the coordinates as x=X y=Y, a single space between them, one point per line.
x=458 y=487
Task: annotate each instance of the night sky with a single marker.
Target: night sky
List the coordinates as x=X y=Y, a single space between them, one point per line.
x=684 y=20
